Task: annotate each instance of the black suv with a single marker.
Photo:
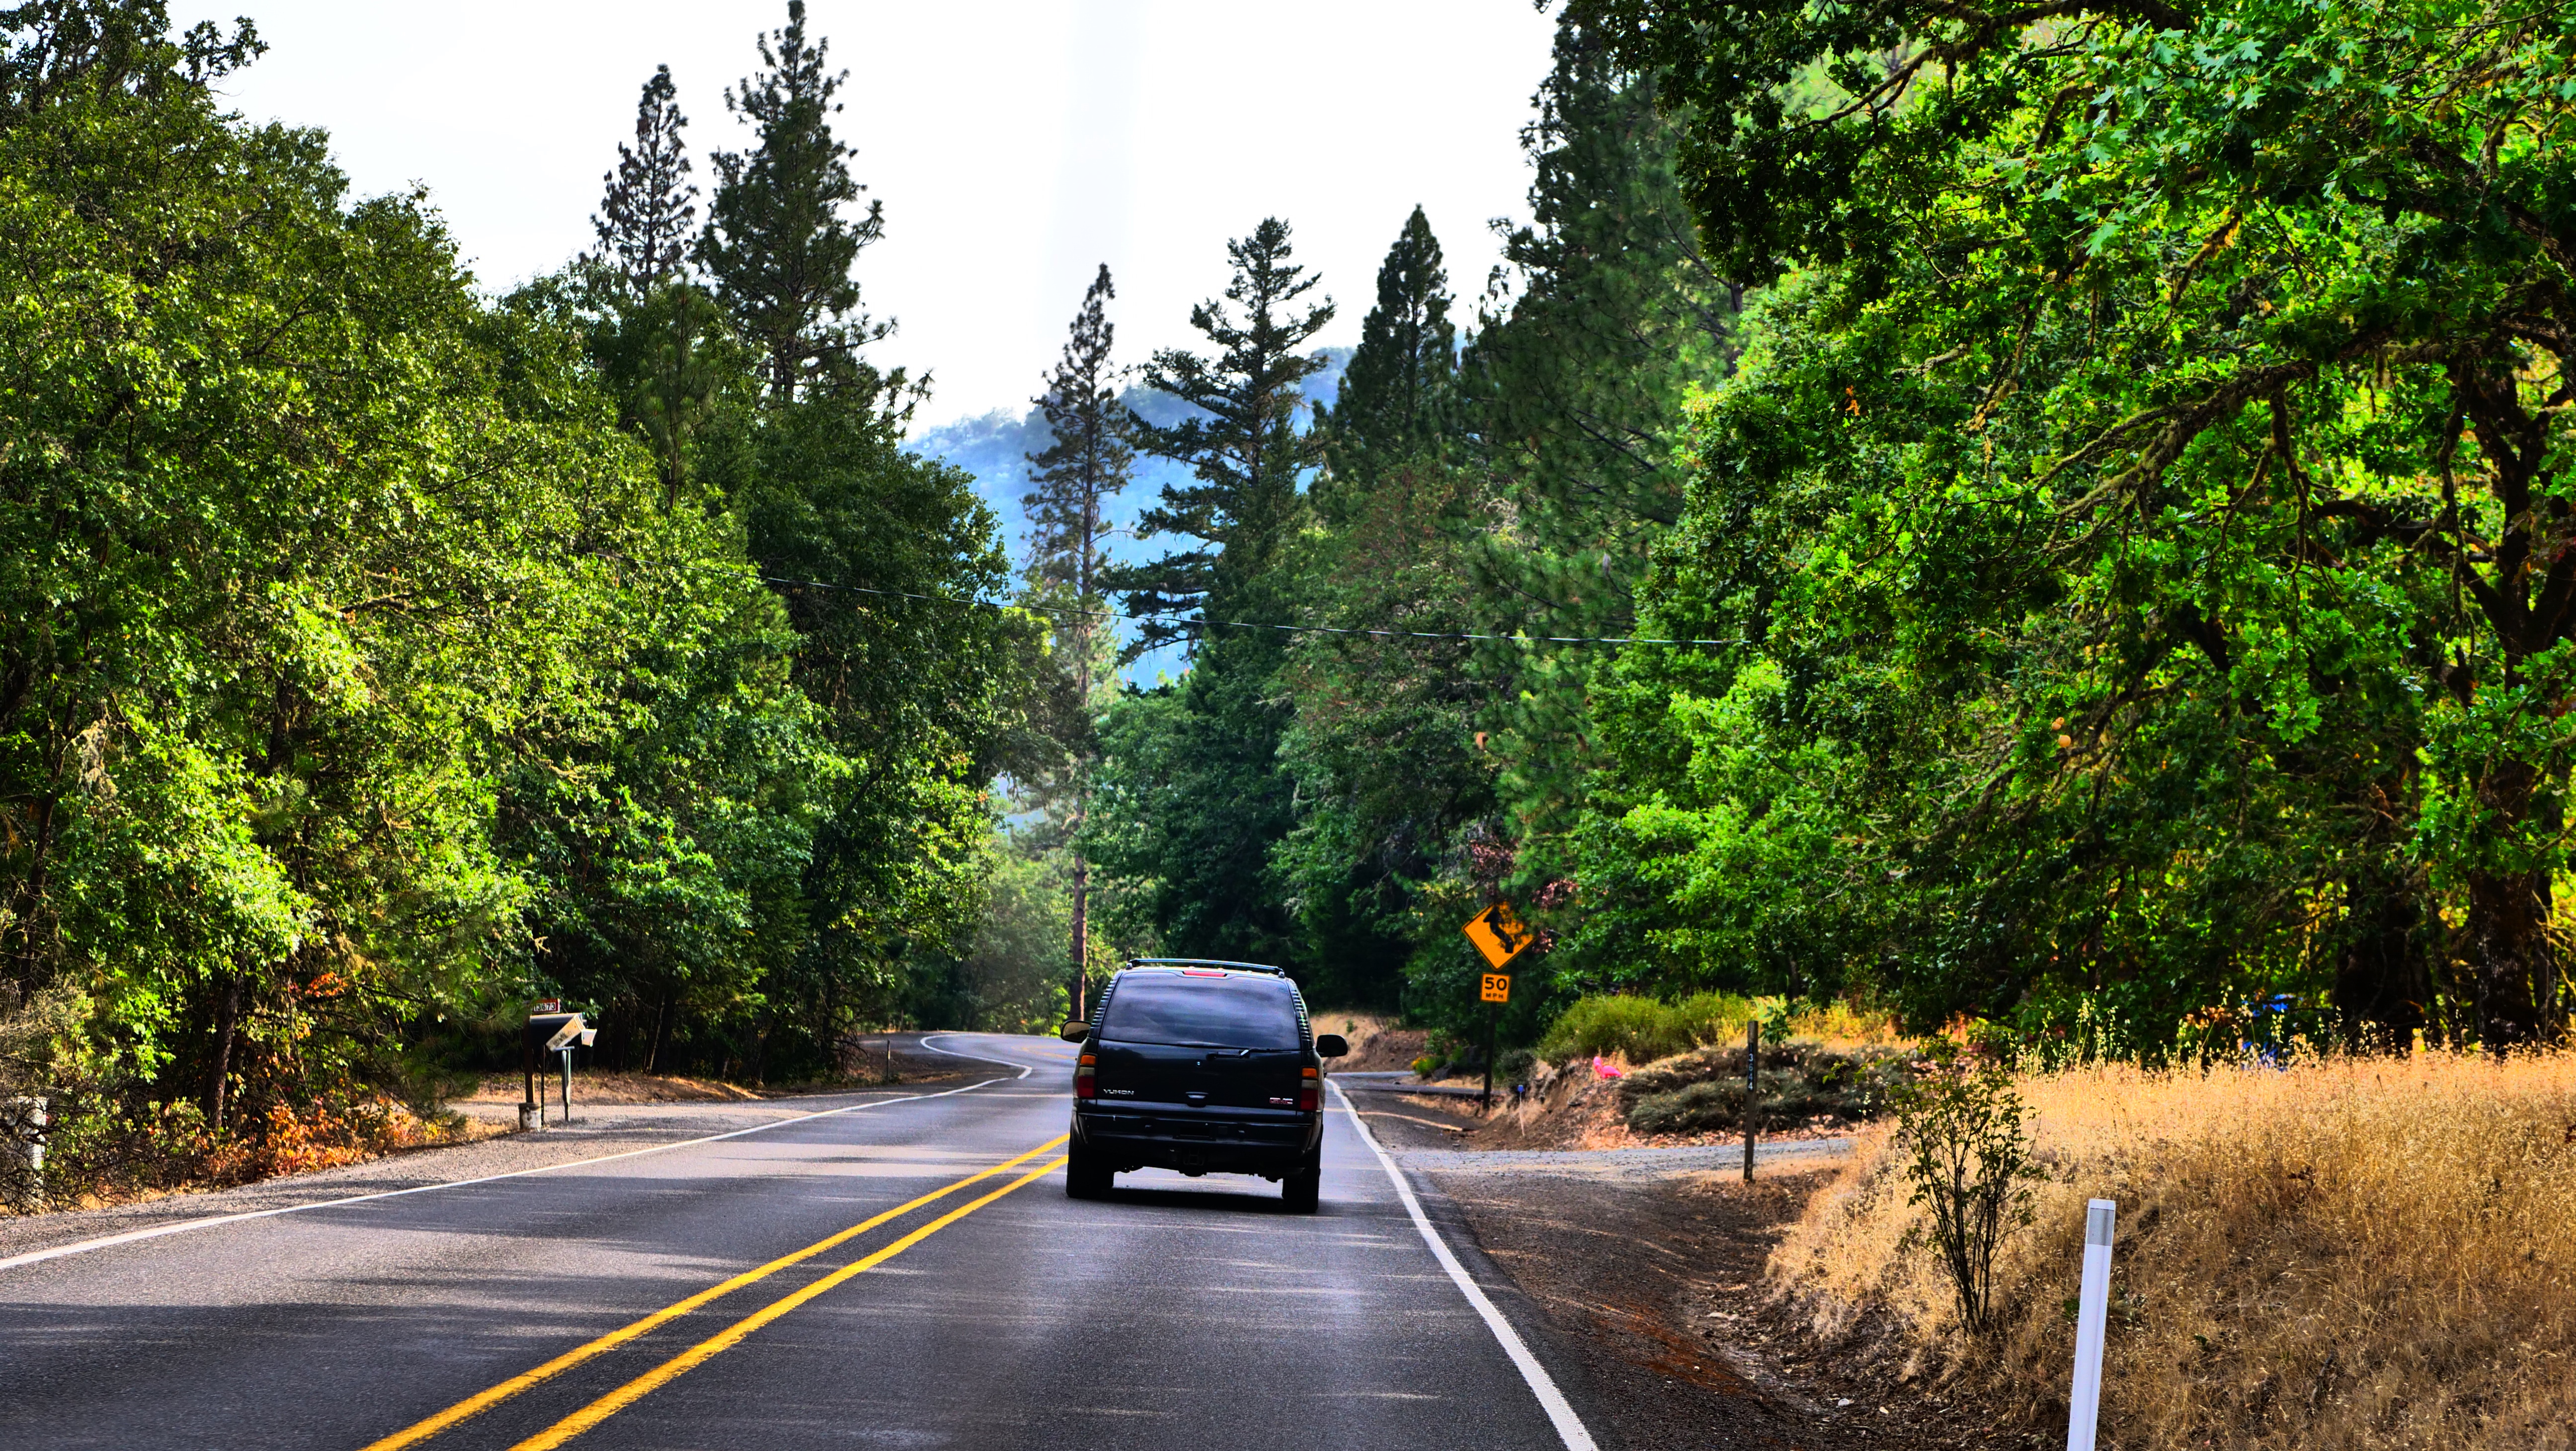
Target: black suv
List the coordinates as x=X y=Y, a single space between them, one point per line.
x=1204 y=1067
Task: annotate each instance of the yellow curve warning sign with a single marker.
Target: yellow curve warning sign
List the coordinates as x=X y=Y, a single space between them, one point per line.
x=1498 y=933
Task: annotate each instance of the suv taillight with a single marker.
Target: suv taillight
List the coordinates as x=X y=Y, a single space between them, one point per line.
x=1310 y=1093
x=1086 y=1083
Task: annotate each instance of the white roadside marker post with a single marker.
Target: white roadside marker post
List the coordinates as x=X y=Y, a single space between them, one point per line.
x=2091 y=1311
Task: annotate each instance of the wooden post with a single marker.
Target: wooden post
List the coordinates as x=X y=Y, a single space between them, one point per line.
x=1752 y=1088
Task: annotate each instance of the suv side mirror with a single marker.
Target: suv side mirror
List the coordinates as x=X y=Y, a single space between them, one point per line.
x=1331 y=1045
x=1075 y=1031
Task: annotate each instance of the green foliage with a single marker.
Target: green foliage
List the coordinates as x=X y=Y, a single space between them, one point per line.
x=2134 y=502
x=776 y=244
x=1643 y=1028
x=374 y=657
x=1967 y=1159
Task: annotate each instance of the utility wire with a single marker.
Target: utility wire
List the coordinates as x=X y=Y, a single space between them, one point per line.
x=1227 y=624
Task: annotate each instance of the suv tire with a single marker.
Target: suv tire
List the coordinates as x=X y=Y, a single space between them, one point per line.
x=1085 y=1177
x=1302 y=1188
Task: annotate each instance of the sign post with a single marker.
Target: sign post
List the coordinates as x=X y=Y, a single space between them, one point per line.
x=1499 y=937
x=1752 y=1089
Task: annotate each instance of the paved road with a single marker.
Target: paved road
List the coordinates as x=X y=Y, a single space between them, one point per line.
x=999 y=1314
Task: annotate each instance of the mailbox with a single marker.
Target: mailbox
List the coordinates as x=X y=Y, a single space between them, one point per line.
x=550 y=1032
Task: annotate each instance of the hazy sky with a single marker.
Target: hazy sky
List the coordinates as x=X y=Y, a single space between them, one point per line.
x=1016 y=145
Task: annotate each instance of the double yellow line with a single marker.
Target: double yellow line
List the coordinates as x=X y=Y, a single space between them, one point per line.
x=725 y=1339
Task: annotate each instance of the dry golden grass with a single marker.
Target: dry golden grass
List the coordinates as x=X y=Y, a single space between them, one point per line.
x=2361 y=1254
x=1840 y=1025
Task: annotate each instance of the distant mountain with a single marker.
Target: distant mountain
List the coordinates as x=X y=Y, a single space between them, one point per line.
x=995 y=449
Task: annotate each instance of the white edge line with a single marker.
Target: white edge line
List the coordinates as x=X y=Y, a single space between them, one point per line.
x=1569 y=1426
x=185 y=1225
x=1025 y=1068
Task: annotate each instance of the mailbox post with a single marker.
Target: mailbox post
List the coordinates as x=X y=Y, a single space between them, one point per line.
x=550 y=1032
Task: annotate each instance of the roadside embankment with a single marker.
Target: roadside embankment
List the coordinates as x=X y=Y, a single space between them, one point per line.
x=2361 y=1253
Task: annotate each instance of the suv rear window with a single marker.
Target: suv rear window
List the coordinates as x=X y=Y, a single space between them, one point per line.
x=1203 y=1012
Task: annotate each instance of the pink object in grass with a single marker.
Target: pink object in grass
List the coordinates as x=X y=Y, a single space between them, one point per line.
x=1602 y=1069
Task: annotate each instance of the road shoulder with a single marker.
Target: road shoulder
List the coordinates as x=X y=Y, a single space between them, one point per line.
x=1634 y=1275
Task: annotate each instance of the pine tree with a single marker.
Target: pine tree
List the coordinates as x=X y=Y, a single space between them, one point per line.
x=649 y=206
x=1397 y=388
x=776 y=243
x=1089 y=460
x=1576 y=394
x=1090 y=457
x=1246 y=452
x=1205 y=803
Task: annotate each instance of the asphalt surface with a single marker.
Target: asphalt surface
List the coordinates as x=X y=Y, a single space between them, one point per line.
x=1179 y=1313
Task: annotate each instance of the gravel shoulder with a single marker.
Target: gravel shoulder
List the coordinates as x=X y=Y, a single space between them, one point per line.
x=1646 y=1265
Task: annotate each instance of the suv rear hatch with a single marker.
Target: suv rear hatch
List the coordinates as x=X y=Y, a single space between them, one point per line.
x=1201 y=1040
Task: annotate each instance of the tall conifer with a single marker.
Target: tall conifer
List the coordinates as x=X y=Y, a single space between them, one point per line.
x=776 y=243
x=1400 y=379
x=1089 y=458
x=1243 y=446
x=1088 y=461
x=1577 y=396
x=649 y=206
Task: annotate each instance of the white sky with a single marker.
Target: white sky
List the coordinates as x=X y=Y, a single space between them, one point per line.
x=1016 y=145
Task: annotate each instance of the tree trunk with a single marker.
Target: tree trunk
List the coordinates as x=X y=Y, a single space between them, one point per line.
x=2381 y=983
x=661 y=1035
x=2513 y=962
x=1081 y=932
x=227 y=1026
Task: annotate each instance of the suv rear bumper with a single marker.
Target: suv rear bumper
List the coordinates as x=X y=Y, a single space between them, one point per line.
x=1197 y=1140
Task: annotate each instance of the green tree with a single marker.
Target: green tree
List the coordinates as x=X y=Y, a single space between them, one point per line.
x=776 y=243
x=876 y=553
x=1387 y=771
x=1576 y=391
x=1241 y=443
x=1203 y=800
x=648 y=206
x=1397 y=389
x=2145 y=503
x=307 y=549
x=1087 y=462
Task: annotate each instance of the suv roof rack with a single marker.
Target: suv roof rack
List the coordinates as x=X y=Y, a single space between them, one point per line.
x=1205 y=962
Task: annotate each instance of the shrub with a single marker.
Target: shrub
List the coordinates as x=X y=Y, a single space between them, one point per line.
x=1642 y=1028
x=1966 y=1156
x=1703 y=1090
x=1715 y=1103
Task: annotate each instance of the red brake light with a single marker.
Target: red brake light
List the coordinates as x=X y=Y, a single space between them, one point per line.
x=1200 y=972
x=1309 y=1098
x=1086 y=1083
